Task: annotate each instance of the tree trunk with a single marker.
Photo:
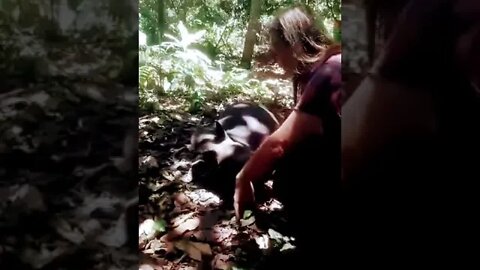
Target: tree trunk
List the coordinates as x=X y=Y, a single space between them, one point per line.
x=161 y=19
x=252 y=30
x=371 y=22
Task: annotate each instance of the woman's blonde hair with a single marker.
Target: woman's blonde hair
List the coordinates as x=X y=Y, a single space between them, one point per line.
x=296 y=26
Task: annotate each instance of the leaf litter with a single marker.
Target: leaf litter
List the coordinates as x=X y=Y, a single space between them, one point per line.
x=196 y=230
x=63 y=200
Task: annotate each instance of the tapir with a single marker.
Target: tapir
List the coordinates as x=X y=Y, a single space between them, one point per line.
x=226 y=146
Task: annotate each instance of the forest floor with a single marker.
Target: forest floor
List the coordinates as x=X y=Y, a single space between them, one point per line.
x=185 y=227
x=67 y=174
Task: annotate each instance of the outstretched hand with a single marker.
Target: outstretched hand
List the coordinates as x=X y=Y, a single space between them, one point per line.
x=244 y=196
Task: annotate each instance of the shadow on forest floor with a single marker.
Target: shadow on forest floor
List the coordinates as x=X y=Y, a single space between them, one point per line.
x=185 y=227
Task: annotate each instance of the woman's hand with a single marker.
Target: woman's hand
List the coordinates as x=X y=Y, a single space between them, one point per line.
x=294 y=129
x=244 y=196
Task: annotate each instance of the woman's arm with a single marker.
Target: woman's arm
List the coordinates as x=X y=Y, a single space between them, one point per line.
x=296 y=127
x=303 y=121
x=307 y=119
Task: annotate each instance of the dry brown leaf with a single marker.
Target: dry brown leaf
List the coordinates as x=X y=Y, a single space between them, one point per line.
x=150 y=161
x=203 y=247
x=27 y=197
x=67 y=231
x=221 y=262
x=146 y=227
x=167 y=176
x=116 y=236
x=247 y=222
x=146 y=267
x=195 y=250
x=38 y=258
x=149 y=262
x=181 y=199
x=188 y=225
x=220 y=234
x=149 y=251
x=169 y=246
x=181 y=219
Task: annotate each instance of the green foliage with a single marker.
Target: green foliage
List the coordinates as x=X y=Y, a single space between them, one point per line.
x=225 y=21
x=176 y=69
x=160 y=225
x=198 y=65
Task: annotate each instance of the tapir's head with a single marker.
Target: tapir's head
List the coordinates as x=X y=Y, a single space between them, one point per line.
x=220 y=158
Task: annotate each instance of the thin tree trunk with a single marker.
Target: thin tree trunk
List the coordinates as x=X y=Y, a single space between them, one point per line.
x=161 y=19
x=371 y=22
x=252 y=30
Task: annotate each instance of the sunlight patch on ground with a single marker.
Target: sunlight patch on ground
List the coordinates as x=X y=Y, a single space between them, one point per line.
x=203 y=197
x=271 y=206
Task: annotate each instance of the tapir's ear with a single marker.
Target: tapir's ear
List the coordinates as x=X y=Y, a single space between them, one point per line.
x=219 y=132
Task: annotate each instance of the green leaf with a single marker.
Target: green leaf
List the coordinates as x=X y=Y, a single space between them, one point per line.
x=247 y=214
x=160 y=225
x=274 y=234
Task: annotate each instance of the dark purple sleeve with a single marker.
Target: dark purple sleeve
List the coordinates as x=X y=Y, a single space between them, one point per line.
x=321 y=96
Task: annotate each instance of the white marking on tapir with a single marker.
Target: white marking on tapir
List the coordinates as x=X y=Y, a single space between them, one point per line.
x=255 y=125
x=224 y=149
x=205 y=136
x=240 y=131
x=240 y=105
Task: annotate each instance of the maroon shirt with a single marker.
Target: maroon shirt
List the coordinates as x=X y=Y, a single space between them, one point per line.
x=321 y=95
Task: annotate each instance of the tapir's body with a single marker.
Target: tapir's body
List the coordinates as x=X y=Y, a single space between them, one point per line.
x=225 y=147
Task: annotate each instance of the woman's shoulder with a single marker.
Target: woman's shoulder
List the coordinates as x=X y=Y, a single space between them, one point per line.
x=322 y=94
x=330 y=68
x=332 y=61
x=335 y=59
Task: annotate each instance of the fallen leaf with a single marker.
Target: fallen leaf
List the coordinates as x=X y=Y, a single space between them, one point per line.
x=38 y=258
x=223 y=233
x=188 y=225
x=195 y=250
x=116 y=236
x=156 y=245
x=27 y=197
x=90 y=91
x=203 y=197
x=187 y=178
x=68 y=232
x=148 y=263
x=247 y=222
x=146 y=267
x=274 y=234
x=181 y=219
x=262 y=241
x=168 y=176
x=40 y=98
x=220 y=261
x=169 y=246
x=203 y=247
x=146 y=227
x=287 y=246
x=247 y=214
x=150 y=161
x=92 y=203
x=177 y=117
x=160 y=225
x=181 y=199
